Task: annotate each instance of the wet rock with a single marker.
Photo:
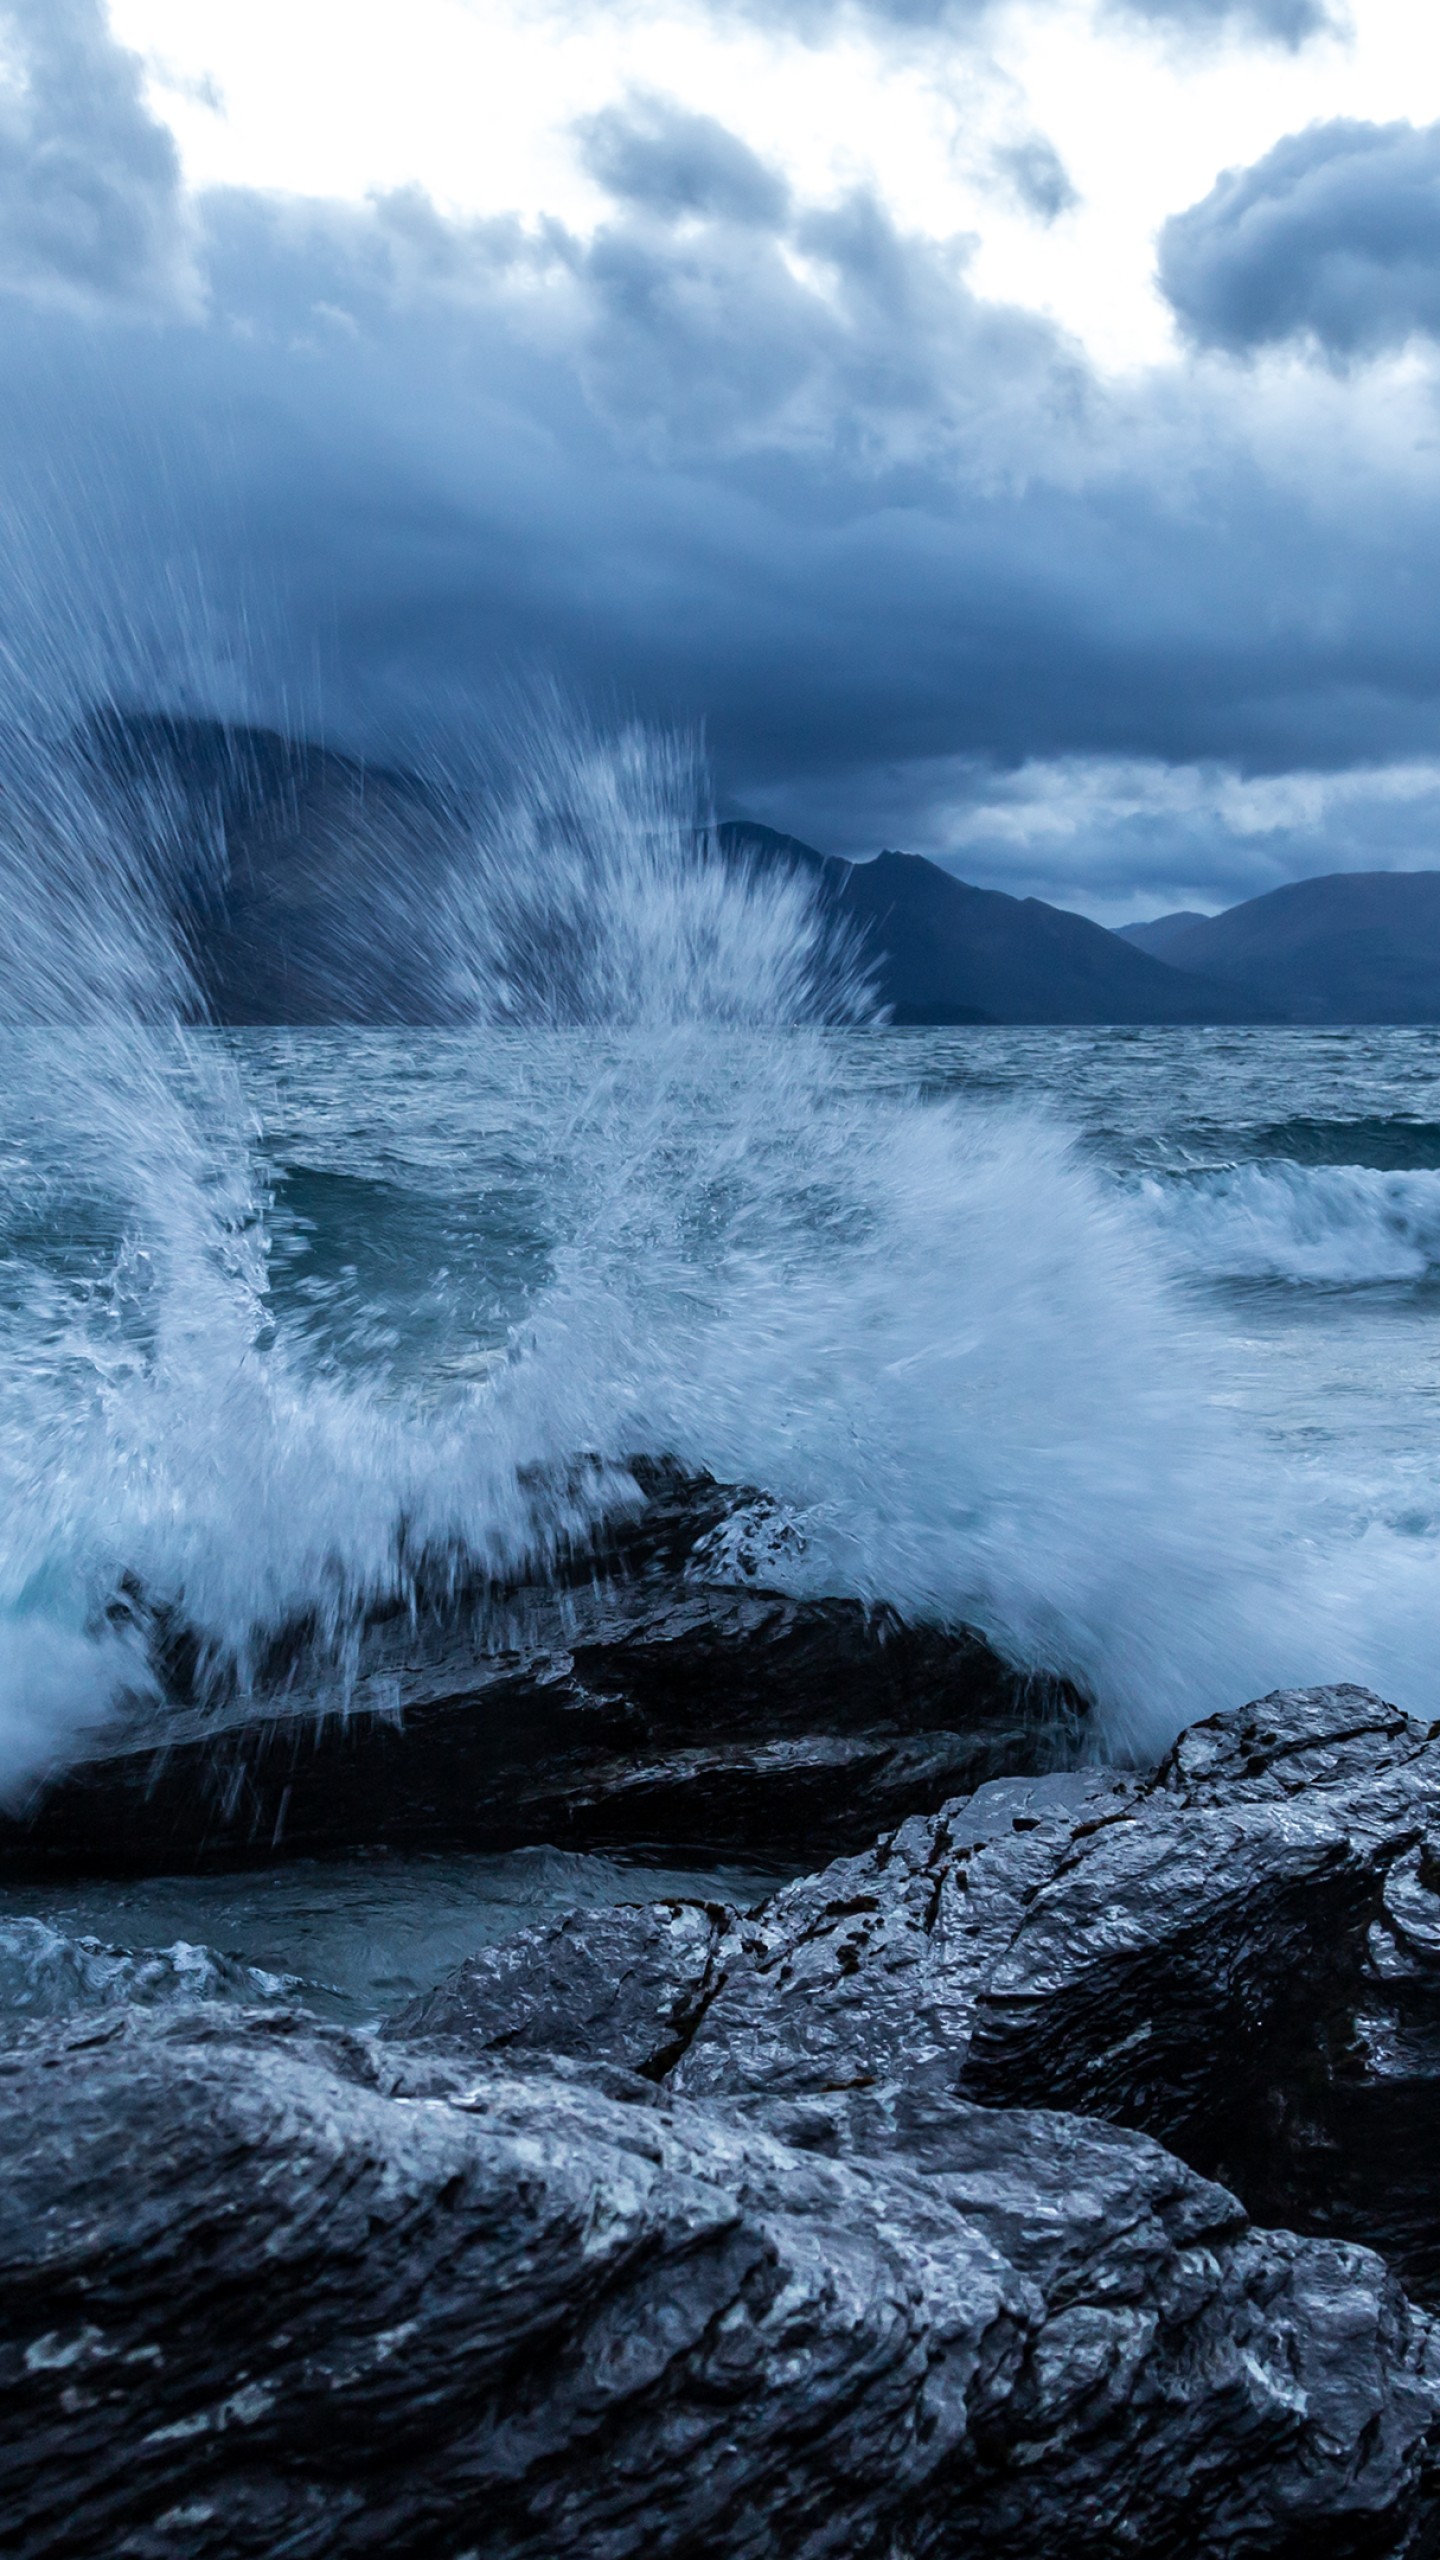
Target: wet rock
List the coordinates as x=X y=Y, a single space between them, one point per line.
x=870 y=1969
x=1238 y=1953
x=629 y=1697
x=266 y=2287
x=624 y=1986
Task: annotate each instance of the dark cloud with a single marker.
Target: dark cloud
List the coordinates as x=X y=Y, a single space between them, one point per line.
x=733 y=458
x=1035 y=173
x=1333 y=237
x=671 y=163
x=89 y=183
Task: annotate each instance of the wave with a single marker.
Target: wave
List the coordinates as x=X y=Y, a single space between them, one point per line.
x=1396 y=1142
x=946 y=1346
x=1337 y=1226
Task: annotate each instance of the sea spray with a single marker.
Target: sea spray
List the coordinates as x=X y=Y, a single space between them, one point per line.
x=1337 y=1226
x=926 y=1330
x=170 y=1453
x=590 y=890
x=941 y=1339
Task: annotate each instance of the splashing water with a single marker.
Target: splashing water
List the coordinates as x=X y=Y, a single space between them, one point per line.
x=591 y=891
x=935 y=1334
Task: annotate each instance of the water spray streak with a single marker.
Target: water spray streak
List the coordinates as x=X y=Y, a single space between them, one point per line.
x=953 y=1351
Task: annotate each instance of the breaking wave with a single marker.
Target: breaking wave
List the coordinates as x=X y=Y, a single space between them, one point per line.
x=1337 y=1226
x=46 y=1973
x=938 y=1337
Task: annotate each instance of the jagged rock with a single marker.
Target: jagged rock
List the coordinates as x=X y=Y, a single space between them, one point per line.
x=266 y=2288
x=1238 y=1953
x=623 y=1986
x=630 y=1696
x=851 y=1974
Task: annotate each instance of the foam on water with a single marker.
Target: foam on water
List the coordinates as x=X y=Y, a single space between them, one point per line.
x=946 y=1344
x=1341 y=1226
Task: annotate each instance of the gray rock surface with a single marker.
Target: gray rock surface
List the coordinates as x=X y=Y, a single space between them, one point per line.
x=270 y=2289
x=674 y=2230
x=624 y=1987
x=1239 y=1953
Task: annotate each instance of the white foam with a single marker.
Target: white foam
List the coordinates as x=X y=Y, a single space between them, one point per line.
x=1339 y=1226
x=46 y=1973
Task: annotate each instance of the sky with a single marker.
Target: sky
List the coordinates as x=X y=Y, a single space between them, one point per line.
x=1010 y=427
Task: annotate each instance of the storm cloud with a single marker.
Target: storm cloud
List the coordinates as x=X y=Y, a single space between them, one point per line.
x=1334 y=237
x=670 y=162
x=89 y=183
x=732 y=457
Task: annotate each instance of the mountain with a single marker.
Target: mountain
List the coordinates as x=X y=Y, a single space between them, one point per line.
x=1163 y=932
x=1350 y=946
x=301 y=881
x=290 y=868
x=952 y=953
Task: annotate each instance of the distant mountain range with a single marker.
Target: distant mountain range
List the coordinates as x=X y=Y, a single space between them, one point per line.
x=956 y=954
x=299 y=878
x=1352 y=946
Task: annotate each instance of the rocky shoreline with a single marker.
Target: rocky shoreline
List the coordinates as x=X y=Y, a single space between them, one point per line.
x=645 y=1687
x=1056 y=2175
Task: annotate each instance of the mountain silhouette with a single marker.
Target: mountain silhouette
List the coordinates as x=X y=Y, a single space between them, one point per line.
x=947 y=952
x=1347 y=946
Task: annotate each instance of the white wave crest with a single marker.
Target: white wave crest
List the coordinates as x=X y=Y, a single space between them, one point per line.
x=45 y=1973
x=1342 y=1226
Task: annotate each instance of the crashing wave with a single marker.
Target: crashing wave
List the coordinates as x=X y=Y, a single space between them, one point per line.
x=1338 y=1226
x=46 y=1974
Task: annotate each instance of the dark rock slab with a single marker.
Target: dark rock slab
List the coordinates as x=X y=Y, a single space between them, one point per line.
x=1240 y=1954
x=870 y=1969
x=270 y=2289
x=628 y=1696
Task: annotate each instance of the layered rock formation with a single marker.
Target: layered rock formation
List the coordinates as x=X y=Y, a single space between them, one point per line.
x=1238 y=1952
x=836 y=2227
x=647 y=1688
x=267 y=2289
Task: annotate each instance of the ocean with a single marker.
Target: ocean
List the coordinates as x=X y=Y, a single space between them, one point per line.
x=1118 y=1345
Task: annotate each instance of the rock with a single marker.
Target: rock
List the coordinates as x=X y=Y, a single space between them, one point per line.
x=270 y=2288
x=625 y=1986
x=46 y=1973
x=626 y=1698
x=852 y=1975
x=1238 y=1953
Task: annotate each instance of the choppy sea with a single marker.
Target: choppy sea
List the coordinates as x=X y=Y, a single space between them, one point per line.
x=1124 y=1345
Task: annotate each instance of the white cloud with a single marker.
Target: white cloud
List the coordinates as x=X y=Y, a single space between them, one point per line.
x=475 y=100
